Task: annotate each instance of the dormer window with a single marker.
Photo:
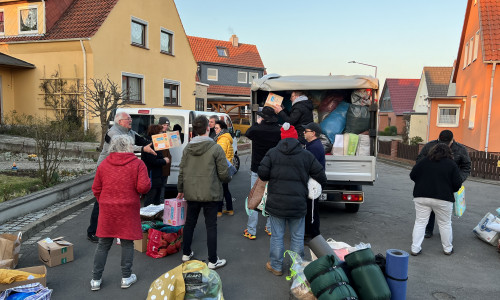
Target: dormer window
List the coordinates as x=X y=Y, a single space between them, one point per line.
x=28 y=20
x=222 y=51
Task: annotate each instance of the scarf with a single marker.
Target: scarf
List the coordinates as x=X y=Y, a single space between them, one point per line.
x=222 y=131
x=299 y=99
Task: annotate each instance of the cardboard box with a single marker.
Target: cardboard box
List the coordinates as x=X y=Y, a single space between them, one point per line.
x=35 y=270
x=54 y=252
x=142 y=245
x=10 y=246
x=7 y=264
x=273 y=99
x=175 y=212
x=166 y=140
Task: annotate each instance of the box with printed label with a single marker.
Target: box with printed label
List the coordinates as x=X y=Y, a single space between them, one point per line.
x=39 y=271
x=54 y=252
x=175 y=212
x=273 y=100
x=142 y=245
x=166 y=140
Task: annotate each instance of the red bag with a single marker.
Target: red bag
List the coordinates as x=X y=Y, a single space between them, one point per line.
x=161 y=244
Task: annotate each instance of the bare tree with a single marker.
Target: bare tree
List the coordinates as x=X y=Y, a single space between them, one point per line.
x=103 y=96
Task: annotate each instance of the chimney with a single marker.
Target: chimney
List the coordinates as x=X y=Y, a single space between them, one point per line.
x=234 y=40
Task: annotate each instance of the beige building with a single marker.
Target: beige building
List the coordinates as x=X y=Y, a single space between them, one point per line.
x=140 y=45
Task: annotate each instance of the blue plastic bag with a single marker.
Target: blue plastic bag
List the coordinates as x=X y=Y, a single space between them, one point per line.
x=334 y=123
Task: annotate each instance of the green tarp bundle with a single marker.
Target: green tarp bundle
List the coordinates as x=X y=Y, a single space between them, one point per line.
x=368 y=279
x=328 y=280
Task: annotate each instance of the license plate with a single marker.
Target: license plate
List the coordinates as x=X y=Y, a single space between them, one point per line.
x=322 y=197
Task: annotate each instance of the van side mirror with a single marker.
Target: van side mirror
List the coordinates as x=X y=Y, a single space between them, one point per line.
x=237 y=133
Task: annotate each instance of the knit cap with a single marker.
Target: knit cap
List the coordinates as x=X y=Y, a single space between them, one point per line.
x=288 y=131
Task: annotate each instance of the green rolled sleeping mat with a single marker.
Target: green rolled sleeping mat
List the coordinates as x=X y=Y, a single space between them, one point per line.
x=367 y=278
x=328 y=280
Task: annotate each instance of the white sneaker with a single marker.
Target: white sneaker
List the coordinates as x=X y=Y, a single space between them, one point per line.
x=218 y=264
x=95 y=285
x=186 y=258
x=127 y=282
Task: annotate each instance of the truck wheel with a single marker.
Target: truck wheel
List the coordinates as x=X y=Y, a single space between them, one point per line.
x=236 y=163
x=352 y=208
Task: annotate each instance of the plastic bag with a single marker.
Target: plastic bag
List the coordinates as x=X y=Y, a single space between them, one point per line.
x=361 y=97
x=169 y=285
x=357 y=119
x=300 y=288
x=201 y=282
x=335 y=122
x=327 y=145
x=330 y=102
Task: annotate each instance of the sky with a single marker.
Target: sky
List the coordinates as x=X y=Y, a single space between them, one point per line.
x=319 y=37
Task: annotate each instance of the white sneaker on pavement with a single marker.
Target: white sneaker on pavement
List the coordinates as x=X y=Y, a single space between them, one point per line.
x=127 y=282
x=218 y=264
x=95 y=285
x=186 y=258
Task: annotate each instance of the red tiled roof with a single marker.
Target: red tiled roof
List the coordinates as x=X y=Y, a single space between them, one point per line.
x=81 y=20
x=205 y=50
x=438 y=80
x=402 y=92
x=229 y=90
x=489 y=13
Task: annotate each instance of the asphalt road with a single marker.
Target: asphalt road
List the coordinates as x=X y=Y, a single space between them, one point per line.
x=385 y=221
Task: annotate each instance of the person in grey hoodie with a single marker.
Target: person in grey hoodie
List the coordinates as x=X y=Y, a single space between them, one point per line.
x=202 y=171
x=300 y=114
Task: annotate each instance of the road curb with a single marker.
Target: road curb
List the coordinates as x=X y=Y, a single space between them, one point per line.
x=33 y=228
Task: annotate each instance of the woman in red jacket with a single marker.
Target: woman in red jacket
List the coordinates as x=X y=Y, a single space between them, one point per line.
x=119 y=181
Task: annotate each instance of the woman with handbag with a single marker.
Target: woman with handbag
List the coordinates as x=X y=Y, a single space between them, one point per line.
x=436 y=178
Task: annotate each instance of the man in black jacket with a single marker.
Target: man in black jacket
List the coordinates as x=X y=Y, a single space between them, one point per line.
x=288 y=167
x=300 y=114
x=265 y=134
x=461 y=158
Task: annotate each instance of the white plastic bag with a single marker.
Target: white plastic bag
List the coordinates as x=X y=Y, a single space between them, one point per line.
x=484 y=233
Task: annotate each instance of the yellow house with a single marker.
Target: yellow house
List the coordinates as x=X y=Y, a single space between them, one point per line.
x=140 y=45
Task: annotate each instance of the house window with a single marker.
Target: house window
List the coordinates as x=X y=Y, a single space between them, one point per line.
x=448 y=115
x=222 y=51
x=199 y=104
x=471 y=48
x=166 y=41
x=138 y=32
x=171 y=92
x=28 y=20
x=2 y=26
x=252 y=76
x=132 y=84
x=472 y=112
x=476 y=46
x=212 y=74
x=465 y=54
x=242 y=77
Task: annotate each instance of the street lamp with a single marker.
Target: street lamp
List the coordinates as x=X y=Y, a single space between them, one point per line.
x=355 y=62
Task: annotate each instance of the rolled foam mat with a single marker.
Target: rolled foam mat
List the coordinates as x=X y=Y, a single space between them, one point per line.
x=320 y=247
x=396 y=269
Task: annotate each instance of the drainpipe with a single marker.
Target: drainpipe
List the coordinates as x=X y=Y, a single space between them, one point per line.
x=428 y=117
x=44 y=18
x=489 y=107
x=85 y=120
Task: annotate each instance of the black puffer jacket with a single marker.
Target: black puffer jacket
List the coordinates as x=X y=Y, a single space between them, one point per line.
x=301 y=114
x=264 y=136
x=288 y=167
x=460 y=156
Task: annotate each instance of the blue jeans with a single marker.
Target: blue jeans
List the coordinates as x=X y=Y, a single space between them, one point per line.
x=277 y=245
x=253 y=218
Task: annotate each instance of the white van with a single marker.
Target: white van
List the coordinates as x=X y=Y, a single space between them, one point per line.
x=143 y=117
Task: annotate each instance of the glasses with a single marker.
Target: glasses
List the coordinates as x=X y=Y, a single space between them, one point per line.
x=128 y=119
x=308 y=130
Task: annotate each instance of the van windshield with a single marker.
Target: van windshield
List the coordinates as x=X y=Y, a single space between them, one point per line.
x=140 y=123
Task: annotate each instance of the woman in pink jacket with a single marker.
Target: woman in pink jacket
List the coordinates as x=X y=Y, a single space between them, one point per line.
x=119 y=181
